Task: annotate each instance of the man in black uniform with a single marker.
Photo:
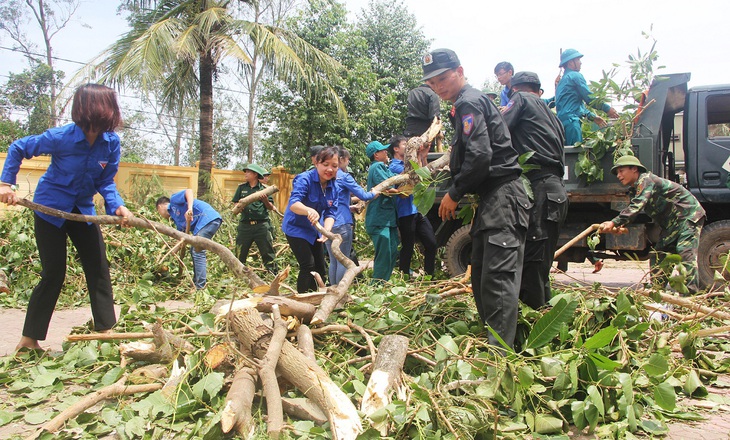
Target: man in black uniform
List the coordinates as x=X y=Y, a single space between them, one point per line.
x=534 y=128
x=483 y=162
x=423 y=105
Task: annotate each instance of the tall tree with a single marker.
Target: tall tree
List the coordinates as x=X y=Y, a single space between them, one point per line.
x=373 y=87
x=29 y=92
x=175 y=35
x=52 y=16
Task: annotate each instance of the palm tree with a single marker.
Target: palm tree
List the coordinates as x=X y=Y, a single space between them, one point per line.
x=175 y=35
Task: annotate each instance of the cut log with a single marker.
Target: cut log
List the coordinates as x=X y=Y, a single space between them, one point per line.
x=386 y=376
x=267 y=373
x=145 y=352
x=4 y=287
x=288 y=307
x=301 y=372
x=280 y=277
x=162 y=338
x=305 y=341
x=303 y=409
x=253 y=197
x=219 y=355
x=237 y=410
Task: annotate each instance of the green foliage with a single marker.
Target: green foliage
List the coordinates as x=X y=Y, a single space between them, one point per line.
x=29 y=92
x=616 y=137
x=379 y=54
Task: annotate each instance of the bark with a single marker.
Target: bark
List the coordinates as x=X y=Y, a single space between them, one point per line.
x=130 y=336
x=241 y=204
x=267 y=373
x=386 y=376
x=164 y=338
x=237 y=410
x=288 y=307
x=119 y=388
x=146 y=352
x=305 y=342
x=225 y=254
x=278 y=279
x=4 y=288
x=301 y=372
x=206 y=66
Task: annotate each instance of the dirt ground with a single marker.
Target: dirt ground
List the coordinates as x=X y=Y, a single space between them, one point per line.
x=613 y=274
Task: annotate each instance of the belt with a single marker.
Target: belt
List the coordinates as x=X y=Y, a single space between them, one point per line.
x=253 y=222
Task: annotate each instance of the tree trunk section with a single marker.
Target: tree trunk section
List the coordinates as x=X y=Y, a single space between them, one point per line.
x=301 y=372
x=237 y=410
x=207 y=66
x=386 y=375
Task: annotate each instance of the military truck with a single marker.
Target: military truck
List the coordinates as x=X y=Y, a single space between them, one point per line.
x=704 y=166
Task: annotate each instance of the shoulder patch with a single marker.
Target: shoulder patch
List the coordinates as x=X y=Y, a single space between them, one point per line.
x=467 y=124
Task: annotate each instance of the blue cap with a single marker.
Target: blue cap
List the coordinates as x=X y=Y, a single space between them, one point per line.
x=373 y=147
x=569 y=54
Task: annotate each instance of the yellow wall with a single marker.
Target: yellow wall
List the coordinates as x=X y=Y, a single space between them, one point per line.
x=173 y=178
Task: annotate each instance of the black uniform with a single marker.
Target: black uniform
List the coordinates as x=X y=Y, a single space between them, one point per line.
x=483 y=162
x=423 y=105
x=535 y=128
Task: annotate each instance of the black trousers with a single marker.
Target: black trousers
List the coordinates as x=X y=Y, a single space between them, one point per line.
x=89 y=244
x=311 y=259
x=412 y=227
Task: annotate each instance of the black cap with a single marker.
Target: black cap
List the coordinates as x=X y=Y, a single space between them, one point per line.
x=439 y=61
x=526 y=78
x=315 y=149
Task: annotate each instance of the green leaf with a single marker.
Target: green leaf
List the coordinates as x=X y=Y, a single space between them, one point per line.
x=601 y=339
x=7 y=417
x=525 y=376
x=112 y=376
x=45 y=380
x=656 y=366
x=543 y=424
x=693 y=386
x=446 y=348
x=547 y=327
x=37 y=417
x=211 y=384
x=596 y=399
x=424 y=203
x=665 y=397
x=602 y=362
x=577 y=408
x=424 y=173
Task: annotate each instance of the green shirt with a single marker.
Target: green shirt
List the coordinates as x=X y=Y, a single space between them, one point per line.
x=255 y=211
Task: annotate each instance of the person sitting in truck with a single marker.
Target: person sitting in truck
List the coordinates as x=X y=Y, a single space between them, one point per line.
x=669 y=205
x=535 y=129
x=571 y=97
x=483 y=162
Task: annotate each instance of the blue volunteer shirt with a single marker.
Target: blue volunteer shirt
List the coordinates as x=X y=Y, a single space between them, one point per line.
x=346 y=187
x=403 y=205
x=203 y=213
x=77 y=170
x=307 y=189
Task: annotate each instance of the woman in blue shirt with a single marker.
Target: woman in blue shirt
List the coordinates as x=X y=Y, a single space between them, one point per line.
x=344 y=223
x=313 y=196
x=84 y=160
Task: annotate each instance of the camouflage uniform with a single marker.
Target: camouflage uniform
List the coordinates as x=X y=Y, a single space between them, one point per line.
x=676 y=211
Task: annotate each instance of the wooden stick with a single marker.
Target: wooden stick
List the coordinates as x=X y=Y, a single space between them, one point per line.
x=584 y=234
x=225 y=254
x=241 y=204
x=267 y=373
x=132 y=336
x=119 y=388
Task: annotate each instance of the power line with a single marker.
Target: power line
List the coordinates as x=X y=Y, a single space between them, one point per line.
x=25 y=52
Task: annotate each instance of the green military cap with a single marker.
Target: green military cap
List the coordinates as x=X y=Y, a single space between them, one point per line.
x=627 y=161
x=256 y=169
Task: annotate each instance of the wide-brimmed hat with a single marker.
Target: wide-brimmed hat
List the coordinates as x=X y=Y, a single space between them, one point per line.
x=256 y=169
x=567 y=55
x=627 y=161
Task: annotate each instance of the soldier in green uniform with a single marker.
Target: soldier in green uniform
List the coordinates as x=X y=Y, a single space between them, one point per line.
x=670 y=205
x=255 y=226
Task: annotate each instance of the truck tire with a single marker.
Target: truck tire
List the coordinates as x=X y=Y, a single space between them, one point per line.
x=458 y=251
x=714 y=243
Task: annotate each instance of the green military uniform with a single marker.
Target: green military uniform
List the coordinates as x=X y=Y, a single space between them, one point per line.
x=676 y=211
x=255 y=227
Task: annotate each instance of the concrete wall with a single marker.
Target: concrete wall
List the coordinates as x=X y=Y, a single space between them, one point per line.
x=172 y=178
